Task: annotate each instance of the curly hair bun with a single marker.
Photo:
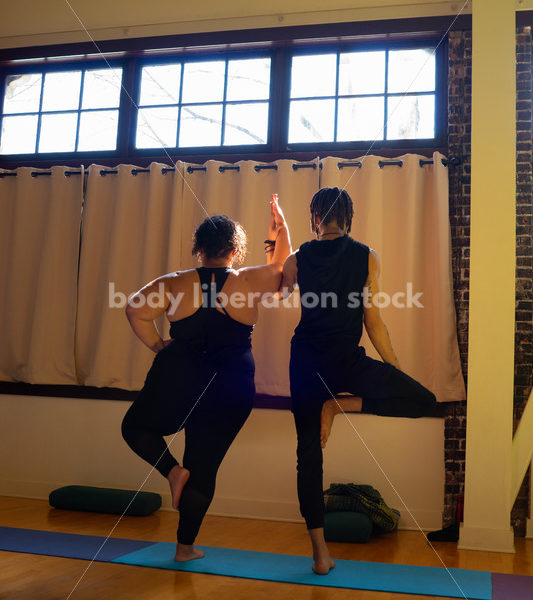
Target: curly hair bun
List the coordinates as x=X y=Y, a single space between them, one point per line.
x=219 y=235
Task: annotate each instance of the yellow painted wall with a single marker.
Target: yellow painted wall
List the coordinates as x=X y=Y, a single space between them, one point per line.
x=492 y=280
x=40 y=22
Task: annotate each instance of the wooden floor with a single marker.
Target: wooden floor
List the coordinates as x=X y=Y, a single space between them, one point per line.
x=33 y=577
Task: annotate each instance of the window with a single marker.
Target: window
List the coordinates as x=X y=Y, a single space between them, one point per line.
x=61 y=111
x=295 y=97
x=362 y=96
x=204 y=103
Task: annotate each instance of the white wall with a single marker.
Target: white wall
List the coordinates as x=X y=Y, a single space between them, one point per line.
x=48 y=442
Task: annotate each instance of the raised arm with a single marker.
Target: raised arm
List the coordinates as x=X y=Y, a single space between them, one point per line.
x=279 y=232
x=267 y=278
x=374 y=325
x=141 y=313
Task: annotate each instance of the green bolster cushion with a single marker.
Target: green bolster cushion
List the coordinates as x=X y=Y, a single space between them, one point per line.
x=105 y=500
x=347 y=527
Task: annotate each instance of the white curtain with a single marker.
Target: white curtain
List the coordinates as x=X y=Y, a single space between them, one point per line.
x=130 y=235
x=402 y=212
x=39 y=244
x=138 y=227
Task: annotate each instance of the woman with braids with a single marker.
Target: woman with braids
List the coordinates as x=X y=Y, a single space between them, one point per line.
x=326 y=358
x=202 y=377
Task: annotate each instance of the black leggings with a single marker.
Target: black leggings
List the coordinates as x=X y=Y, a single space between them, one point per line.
x=166 y=404
x=385 y=391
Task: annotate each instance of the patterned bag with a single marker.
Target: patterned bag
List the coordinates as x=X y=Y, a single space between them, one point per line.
x=365 y=499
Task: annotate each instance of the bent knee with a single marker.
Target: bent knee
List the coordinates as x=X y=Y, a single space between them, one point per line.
x=127 y=426
x=125 y=429
x=428 y=404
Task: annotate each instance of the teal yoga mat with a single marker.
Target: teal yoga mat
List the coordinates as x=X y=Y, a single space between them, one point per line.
x=428 y=581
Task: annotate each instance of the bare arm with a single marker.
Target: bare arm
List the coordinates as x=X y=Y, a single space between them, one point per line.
x=289 y=276
x=374 y=325
x=272 y=229
x=141 y=317
x=283 y=248
x=267 y=278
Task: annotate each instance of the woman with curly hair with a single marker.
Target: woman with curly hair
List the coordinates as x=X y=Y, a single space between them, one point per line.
x=202 y=377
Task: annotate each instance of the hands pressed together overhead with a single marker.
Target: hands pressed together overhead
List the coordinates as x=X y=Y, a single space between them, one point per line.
x=277 y=218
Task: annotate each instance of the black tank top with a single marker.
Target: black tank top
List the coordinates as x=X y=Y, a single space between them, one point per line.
x=329 y=270
x=208 y=332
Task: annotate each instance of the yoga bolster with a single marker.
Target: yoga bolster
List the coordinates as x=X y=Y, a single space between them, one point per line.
x=347 y=527
x=105 y=500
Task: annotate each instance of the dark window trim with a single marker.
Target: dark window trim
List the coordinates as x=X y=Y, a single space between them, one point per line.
x=139 y=63
x=441 y=88
x=276 y=147
x=55 y=68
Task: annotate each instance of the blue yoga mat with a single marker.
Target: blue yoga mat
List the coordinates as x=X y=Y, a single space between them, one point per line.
x=428 y=581
x=67 y=545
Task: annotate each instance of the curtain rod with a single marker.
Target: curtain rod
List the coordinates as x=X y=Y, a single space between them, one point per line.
x=454 y=161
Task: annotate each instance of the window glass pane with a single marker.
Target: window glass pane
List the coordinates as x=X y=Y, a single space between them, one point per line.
x=313 y=75
x=203 y=81
x=61 y=90
x=58 y=132
x=18 y=135
x=157 y=127
x=360 y=119
x=160 y=84
x=311 y=121
x=201 y=125
x=362 y=73
x=248 y=79
x=246 y=123
x=411 y=71
x=101 y=88
x=98 y=130
x=411 y=117
x=22 y=93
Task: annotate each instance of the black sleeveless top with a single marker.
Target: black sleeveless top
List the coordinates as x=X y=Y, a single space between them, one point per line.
x=330 y=270
x=209 y=332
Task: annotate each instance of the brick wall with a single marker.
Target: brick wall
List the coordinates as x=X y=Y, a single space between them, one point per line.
x=524 y=264
x=459 y=130
x=459 y=111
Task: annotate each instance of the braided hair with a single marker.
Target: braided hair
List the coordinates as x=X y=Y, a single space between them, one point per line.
x=332 y=204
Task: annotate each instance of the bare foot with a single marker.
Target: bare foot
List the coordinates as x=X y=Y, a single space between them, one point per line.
x=177 y=478
x=185 y=553
x=322 y=567
x=329 y=410
x=322 y=561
